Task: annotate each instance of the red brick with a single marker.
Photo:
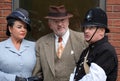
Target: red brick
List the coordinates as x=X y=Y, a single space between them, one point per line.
x=116 y=22
x=118 y=51
x=1 y=27
x=114 y=36
x=114 y=29
x=6 y=12
x=110 y=21
x=118 y=56
x=119 y=66
x=5 y=1
x=2 y=39
x=113 y=15
x=4 y=27
x=111 y=2
x=5 y=6
x=2 y=20
x=2 y=34
x=116 y=44
x=118 y=79
x=109 y=8
x=113 y=8
x=118 y=72
x=116 y=8
x=0 y=13
x=118 y=75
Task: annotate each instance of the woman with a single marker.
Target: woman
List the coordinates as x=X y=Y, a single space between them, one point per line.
x=17 y=55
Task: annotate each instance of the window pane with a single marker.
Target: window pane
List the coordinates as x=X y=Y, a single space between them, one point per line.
x=39 y=9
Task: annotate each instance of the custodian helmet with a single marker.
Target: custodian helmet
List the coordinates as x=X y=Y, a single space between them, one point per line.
x=96 y=17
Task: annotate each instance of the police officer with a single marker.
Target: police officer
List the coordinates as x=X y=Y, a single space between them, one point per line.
x=98 y=61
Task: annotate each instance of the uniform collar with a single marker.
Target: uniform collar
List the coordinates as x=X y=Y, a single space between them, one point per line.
x=103 y=40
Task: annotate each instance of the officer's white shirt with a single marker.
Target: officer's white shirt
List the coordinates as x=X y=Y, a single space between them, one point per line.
x=96 y=74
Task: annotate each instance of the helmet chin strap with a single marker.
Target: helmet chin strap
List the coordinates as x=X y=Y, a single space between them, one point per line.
x=93 y=35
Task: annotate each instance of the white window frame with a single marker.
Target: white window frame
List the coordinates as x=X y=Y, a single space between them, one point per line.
x=15 y=4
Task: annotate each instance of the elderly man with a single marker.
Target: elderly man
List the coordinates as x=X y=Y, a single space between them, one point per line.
x=58 y=52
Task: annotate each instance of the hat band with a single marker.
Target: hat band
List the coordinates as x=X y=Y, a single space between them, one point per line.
x=20 y=16
x=57 y=14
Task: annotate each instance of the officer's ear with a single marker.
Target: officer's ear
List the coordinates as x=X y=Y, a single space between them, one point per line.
x=101 y=31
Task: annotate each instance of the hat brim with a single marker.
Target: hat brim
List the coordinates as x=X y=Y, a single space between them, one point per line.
x=61 y=17
x=97 y=25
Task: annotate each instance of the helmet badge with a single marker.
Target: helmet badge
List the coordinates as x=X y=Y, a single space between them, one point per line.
x=89 y=16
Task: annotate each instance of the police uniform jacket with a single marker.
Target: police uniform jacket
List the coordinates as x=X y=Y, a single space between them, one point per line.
x=101 y=53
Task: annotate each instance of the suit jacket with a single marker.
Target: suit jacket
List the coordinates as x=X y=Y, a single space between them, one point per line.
x=45 y=51
x=15 y=62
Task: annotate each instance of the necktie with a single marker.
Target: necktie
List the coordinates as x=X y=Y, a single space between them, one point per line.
x=60 y=47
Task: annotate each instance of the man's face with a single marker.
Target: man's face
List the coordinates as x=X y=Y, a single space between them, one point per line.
x=89 y=31
x=59 y=26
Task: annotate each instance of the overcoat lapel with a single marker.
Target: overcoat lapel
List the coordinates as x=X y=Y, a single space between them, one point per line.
x=49 y=51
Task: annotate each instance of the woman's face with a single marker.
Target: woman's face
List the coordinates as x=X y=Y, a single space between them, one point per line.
x=19 y=30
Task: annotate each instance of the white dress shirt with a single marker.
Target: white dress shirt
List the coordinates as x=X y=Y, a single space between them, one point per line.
x=64 y=41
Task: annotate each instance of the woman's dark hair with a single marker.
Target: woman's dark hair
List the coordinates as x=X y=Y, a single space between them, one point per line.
x=10 y=23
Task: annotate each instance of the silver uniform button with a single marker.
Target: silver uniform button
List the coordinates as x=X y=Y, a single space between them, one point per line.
x=79 y=68
x=76 y=74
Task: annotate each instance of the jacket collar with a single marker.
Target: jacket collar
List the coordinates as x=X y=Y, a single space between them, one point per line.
x=103 y=40
x=9 y=45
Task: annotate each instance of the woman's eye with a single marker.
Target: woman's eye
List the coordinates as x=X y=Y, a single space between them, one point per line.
x=19 y=27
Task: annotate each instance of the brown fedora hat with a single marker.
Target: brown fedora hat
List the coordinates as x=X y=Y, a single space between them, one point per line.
x=58 y=12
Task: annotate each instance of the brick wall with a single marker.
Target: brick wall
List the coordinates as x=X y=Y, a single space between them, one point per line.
x=5 y=9
x=113 y=12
